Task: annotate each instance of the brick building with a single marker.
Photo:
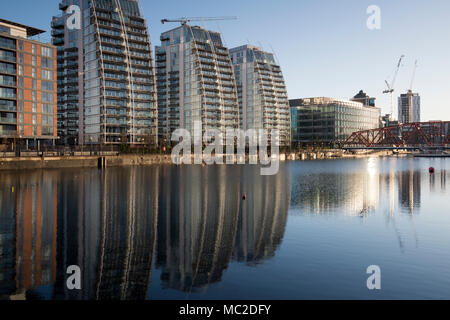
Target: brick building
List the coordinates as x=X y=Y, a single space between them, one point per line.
x=28 y=86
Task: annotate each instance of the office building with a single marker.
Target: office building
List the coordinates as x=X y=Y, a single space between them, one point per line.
x=27 y=87
x=195 y=82
x=106 y=82
x=328 y=121
x=263 y=100
x=409 y=107
x=363 y=98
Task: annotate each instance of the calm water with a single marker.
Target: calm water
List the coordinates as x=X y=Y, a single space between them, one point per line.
x=169 y=232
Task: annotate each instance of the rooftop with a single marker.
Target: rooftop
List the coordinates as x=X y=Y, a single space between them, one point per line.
x=30 y=30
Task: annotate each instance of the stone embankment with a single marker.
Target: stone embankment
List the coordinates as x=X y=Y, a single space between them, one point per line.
x=34 y=161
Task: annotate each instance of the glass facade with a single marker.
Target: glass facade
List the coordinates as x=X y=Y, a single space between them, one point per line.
x=108 y=90
x=195 y=82
x=329 y=121
x=409 y=107
x=263 y=100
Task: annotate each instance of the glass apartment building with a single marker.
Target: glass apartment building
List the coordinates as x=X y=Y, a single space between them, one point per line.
x=106 y=83
x=27 y=86
x=263 y=100
x=328 y=121
x=409 y=107
x=195 y=82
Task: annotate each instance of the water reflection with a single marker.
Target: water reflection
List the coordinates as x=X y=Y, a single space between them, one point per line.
x=188 y=223
x=112 y=224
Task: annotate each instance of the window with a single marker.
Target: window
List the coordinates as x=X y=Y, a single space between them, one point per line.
x=34 y=84
x=21 y=82
x=20 y=45
x=21 y=57
x=8 y=55
x=20 y=70
x=47 y=108
x=34 y=119
x=47 y=97
x=8 y=93
x=47 y=85
x=21 y=118
x=8 y=43
x=33 y=72
x=34 y=96
x=33 y=48
x=46 y=63
x=47 y=75
x=34 y=107
x=20 y=106
x=20 y=94
x=5 y=29
x=47 y=52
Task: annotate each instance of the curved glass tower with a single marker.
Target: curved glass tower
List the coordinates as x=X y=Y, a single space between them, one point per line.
x=263 y=100
x=195 y=82
x=106 y=81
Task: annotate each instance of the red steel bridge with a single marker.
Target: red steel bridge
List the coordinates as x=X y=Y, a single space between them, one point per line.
x=416 y=135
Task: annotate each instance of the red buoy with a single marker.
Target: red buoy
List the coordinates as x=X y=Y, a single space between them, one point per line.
x=431 y=170
x=244 y=197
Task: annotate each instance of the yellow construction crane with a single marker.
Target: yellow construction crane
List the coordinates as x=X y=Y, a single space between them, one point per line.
x=186 y=20
x=390 y=86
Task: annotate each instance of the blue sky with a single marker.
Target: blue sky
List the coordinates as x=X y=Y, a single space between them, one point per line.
x=323 y=46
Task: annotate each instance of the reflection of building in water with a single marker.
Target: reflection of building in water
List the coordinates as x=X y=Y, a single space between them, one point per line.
x=128 y=234
x=196 y=225
x=263 y=216
x=27 y=232
x=354 y=193
x=108 y=228
x=203 y=221
x=409 y=183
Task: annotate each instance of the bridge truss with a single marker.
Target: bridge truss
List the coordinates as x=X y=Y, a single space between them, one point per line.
x=415 y=134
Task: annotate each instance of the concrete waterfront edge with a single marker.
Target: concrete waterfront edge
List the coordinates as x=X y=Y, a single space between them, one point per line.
x=61 y=162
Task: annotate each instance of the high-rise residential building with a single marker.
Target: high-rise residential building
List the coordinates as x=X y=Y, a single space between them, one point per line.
x=27 y=86
x=329 y=121
x=263 y=100
x=106 y=83
x=409 y=107
x=195 y=82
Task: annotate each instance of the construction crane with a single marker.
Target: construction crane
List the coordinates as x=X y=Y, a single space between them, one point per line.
x=390 y=86
x=186 y=20
x=413 y=76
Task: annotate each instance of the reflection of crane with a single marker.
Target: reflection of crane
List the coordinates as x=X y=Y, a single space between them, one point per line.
x=413 y=76
x=390 y=86
x=186 y=20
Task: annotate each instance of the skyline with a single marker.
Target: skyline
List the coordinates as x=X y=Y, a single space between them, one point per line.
x=354 y=56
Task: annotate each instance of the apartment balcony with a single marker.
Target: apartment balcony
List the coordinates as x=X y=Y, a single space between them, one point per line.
x=57 y=33
x=58 y=24
x=7 y=120
x=8 y=58
x=58 y=41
